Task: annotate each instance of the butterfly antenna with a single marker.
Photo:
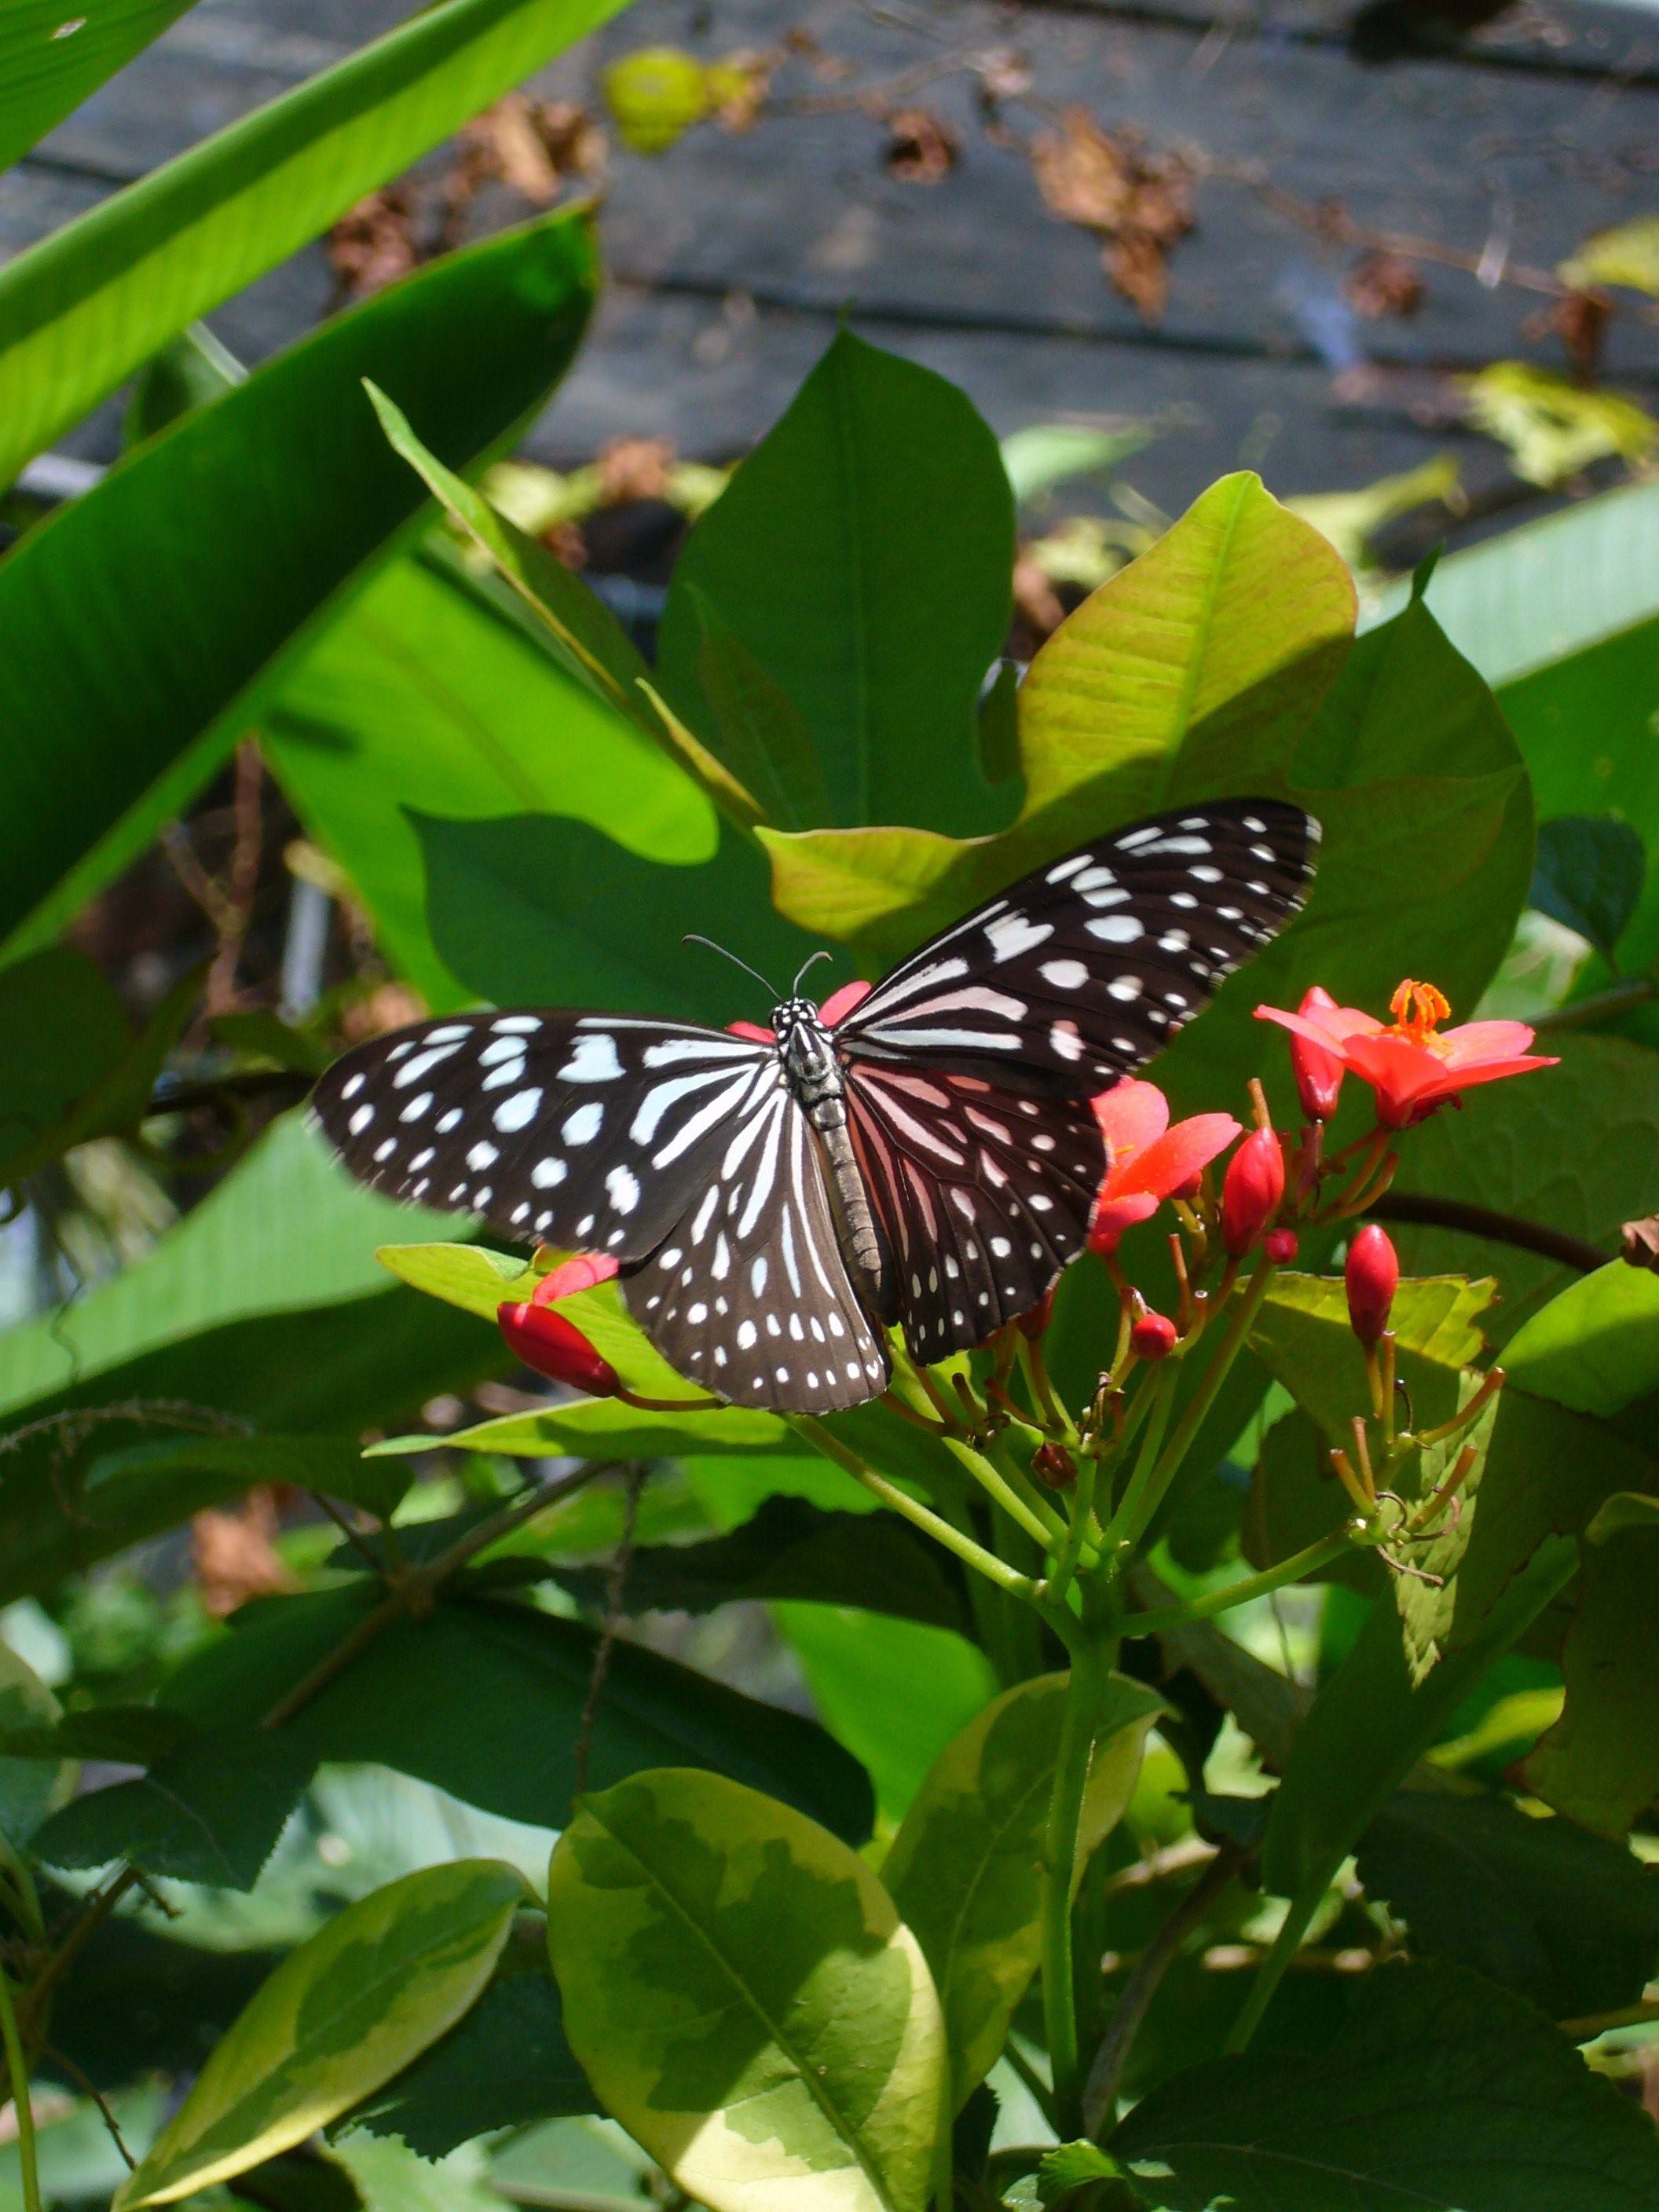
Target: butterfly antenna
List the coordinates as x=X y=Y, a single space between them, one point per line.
x=692 y=938
x=794 y=988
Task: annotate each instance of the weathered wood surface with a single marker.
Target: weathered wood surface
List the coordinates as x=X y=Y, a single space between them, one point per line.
x=734 y=256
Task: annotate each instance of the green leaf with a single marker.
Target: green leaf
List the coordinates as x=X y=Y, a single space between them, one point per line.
x=486 y=1699
x=1627 y=254
x=1192 y=670
x=790 y=1549
x=1552 y=425
x=268 y=502
x=823 y=559
x=30 y=1785
x=1441 y=2092
x=189 y=371
x=605 y=1428
x=756 y=729
x=746 y=2000
x=1082 y=2176
x=505 y=2065
x=1588 y=876
x=1562 y=1917
x=1624 y=1510
x=1302 y=1334
x=210 y=1812
x=94 y=300
x=1571 y=1148
x=339 y=2016
x=432 y=696
x=1600 y=1763
x=1596 y=1345
x=163 y=1475
x=965 y=1869
x=50 y=60
x=265 y=1305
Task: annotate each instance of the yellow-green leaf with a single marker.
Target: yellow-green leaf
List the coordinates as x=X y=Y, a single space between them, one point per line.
x=746 y=2000
x=965 y=1867
x=342 y=2014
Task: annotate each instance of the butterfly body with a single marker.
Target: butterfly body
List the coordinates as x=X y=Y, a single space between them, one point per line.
x=924 y=1154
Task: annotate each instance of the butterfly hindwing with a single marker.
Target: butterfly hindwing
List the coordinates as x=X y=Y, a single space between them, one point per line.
x=580 y=1130
x=1080 y=972
x=750 y=1295
x=983 y=1194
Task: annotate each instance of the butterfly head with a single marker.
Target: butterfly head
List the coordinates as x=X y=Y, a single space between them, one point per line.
x=805 y=1047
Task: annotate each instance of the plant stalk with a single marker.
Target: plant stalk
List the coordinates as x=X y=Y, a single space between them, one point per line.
x=22 y=2098
x=1092 y=1664
x=1310 y=1558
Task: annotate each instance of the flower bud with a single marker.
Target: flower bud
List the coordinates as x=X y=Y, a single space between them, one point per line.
x=1372 y=1276
x=1053 y=1465
x=1035 y=1323
x=1318 y=1073
x=555 y=1347
x=1280 y=1246
x=1153 y=1336
x=1252 y=1191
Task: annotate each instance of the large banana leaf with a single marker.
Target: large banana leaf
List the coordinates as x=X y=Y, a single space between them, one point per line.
x=51 y=59
x=87 y=305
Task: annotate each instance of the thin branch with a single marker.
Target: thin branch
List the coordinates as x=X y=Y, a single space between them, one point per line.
x=1419 y=1211
x=615 y=1584
x=67 y=2065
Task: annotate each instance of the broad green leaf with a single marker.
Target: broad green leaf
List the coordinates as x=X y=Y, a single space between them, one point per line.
x=1303 y=1333
x=824 y=560
x=1562 y=1917
x=209 y=1812
x=50 y=60
x=1588 y=876
x=1624 y=1510
x=964 y=1870
x=161 y=1475
x=431 y=695
x=746 y=2000
x=1596 y=1345
x=390 y=2177
x=1371 y=1721
x=1571 y=1147
x=264 y=506
x=506 y=2064
x=486 y=1699
x=791 y=1549
x=94 y=300
x=29 y=1786
x=1441 y=2092
x=339 y=2016
x=265 y=1305
x=605 y=1428
x=189 y=371
x=1193 y=671
x=759 y=732
x=1600 y=1763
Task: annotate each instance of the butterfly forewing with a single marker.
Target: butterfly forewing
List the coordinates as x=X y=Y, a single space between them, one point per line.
x=580 y=1130
x=750 y=1295
x=983 y=1194
x=1082 y=971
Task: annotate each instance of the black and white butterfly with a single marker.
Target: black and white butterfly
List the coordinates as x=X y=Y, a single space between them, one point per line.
x=929 y=1157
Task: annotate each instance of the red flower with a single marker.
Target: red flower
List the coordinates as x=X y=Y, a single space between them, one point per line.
x=1410 y=1065
x=1372 y=1277
x=1318 y=1072
x=1252 y=1191
x=555 y=1347
x=1146 y=1160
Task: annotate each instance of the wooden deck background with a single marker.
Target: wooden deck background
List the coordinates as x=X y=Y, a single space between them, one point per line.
x=734 y=257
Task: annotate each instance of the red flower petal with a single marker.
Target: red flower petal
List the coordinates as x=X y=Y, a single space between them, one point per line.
x=839 y=1003
x=752 y=1032
x=579 y=1272
x=1181 y=1153
x=1130 y=1115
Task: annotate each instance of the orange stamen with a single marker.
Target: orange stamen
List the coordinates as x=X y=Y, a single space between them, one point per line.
x=1417 y=1009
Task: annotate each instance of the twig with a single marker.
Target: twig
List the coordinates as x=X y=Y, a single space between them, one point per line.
x=67 y=2065
x=22 y=2098
x=1099 y=2093
x=353 y=1537
x=634 y=1482
x=1484 y=1221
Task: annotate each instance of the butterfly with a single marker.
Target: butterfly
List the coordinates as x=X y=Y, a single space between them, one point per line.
x=921 y=1152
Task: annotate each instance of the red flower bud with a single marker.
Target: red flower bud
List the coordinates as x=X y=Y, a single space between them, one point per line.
x=1153 y=1336
x=1318 y=1073
x=1033 y=1323
x=1252 y=1191
x=555 y=1347
x=1372 y=1276
x=1279 y=1245
x=1053 y=1465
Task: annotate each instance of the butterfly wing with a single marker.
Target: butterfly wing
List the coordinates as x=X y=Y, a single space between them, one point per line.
x=984 y=1194
x=585 y=1130
x=1083 y=970
x=750 y=1294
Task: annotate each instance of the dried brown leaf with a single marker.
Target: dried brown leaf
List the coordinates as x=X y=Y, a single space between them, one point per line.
x=1138 y=203
x=374 y=243
x=920 y=148
x=1382 y=283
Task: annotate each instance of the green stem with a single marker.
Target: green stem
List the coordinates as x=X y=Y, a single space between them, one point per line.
x=23 y=2104
x=1091 y=1665
x=1621 y=997
x=1310 y=1558
x=1157 y=1393
x=971 y=1555
x=1044 y=1527
x=1198 y=1406
x=1083 y=1504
